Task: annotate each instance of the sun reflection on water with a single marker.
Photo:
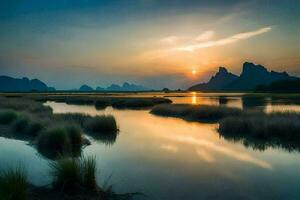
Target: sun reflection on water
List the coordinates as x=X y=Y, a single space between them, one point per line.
x=194 y=98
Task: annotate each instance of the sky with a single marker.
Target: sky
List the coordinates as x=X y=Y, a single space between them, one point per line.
x=156 y=43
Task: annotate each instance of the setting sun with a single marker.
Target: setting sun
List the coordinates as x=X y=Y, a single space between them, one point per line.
x=194 y=72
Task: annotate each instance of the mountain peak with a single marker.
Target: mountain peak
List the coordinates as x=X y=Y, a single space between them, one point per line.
x=250 y=68
x=221 y=78
x=252 y=75
x=126 y=84
x=85 y=88
x=22 y=84
x=223 y=70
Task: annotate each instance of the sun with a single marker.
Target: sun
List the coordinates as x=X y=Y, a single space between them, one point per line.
x=194 y=72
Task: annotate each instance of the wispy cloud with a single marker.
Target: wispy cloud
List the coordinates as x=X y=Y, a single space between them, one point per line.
x=170 y=39
x=170 y=148
x=207 y=35
x=205 y=156
x=224 y=41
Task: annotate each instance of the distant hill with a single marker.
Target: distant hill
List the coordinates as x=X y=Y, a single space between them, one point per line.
x=86 y=88
x=252 y=75
x=281 y=86
x=9 y=84
x=115 y=88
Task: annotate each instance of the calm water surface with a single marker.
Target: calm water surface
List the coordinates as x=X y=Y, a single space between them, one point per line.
x=169 y=158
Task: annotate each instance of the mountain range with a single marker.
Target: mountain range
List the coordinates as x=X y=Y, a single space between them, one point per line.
x=9 y=84
x=252 y=76
x=126 y=87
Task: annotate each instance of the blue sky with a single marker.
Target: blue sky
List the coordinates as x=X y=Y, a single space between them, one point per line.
x=155 y=43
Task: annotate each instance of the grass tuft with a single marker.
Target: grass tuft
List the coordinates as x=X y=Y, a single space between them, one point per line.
x=66 y=175
x=76 y=118
x=13 y=185
x=89 y=173
x=27 y=126
x=74 y=134
x=74 y=175
x=60 y=140
x=105 y=124
x=101 y=104
x=7 y=117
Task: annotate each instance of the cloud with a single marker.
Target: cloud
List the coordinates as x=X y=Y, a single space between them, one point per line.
x=224 y=41
x=170 y=39
x=205 y=156
x=170 y=148
x=207 y=35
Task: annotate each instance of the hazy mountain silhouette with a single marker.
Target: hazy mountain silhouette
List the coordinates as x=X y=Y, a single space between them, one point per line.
x=86 y=88
x=126 y=87
x=115 y=88
x=9 y=84
x=252 y=75
x=217 y=82
x=132 y=87
x=100 y=88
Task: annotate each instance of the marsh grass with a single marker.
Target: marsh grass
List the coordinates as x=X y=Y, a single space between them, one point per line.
x=76 y=118
x=27 y=125
x=53 y=134
x=133 y=103
x=138 y=103
x=66 y=175
x=262 y=130
x=61 y=140
x=77 y=178
x=103 y=127
x=263 y=125
x=7 y=116
x=103 y=124
x=74 y=134
x=25 y=105
x=89 y=169
x=13 y=185
x=74 y=175
x=195 y=112
x=101 y=102
x=20 y=125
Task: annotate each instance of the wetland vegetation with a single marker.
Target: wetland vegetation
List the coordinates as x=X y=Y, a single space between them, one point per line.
x=58 y=137
x=72 y=178
x=253 y=127
x=262 y=130
x=195 y=112
x=61 y=137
